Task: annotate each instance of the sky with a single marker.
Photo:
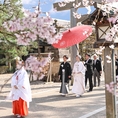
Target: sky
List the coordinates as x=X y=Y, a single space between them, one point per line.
x=47 y=5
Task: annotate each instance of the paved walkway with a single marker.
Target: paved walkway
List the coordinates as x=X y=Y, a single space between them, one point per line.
x=48 y=103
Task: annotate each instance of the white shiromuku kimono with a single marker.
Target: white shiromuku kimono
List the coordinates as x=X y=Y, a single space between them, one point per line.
x=21 y=80
x=79 y=78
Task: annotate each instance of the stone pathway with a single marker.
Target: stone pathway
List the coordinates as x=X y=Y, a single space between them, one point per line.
x=48 y=103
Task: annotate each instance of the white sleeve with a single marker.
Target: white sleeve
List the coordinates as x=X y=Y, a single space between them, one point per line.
x=81 y=68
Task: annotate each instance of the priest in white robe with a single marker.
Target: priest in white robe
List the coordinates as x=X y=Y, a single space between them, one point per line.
x=79 y=77
x=20 y=92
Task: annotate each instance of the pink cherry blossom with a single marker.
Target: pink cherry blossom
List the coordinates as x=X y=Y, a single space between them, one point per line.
x=110 y=87
x=32 y=25
x=36 y=66
x=112 y=19
x=109 y=37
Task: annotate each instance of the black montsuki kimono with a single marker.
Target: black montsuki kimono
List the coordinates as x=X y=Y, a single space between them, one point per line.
x=68 y=71
x=66 y=66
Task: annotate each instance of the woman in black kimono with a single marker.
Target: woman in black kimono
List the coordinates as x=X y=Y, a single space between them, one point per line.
x=64 y=75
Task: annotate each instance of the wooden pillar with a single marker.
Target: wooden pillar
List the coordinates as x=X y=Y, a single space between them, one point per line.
x=73 y=49
x=114 y=80
x=69 y=6
x=110 y=98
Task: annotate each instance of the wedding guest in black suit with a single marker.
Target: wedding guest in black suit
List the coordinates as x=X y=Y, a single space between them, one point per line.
x=116 y=64
x=89 y=71
x=97 y=69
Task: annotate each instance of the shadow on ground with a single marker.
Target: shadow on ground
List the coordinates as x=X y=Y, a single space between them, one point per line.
x=11 y=116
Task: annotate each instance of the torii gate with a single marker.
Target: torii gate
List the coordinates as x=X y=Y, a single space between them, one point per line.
x=69 y=6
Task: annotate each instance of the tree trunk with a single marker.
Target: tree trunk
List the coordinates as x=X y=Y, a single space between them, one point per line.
x=9 y=66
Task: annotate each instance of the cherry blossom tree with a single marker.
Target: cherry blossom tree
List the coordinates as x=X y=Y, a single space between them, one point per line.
x=29 y=28
x=38 y=66
x=32 y=26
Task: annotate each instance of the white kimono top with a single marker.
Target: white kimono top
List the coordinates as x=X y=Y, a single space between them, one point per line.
x=21 y=80
x=79 y=67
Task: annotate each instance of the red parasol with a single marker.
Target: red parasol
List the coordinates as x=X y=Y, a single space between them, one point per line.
x=73 y=36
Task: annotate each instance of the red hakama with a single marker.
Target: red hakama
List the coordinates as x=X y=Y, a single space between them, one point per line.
x=20 y=107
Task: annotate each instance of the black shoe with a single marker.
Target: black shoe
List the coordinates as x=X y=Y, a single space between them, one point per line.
x=89 y=91
x=94 y=86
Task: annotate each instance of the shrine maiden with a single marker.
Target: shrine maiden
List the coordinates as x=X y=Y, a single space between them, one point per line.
x=21 y=92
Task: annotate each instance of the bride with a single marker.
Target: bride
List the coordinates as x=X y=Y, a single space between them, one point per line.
x=79 y=77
